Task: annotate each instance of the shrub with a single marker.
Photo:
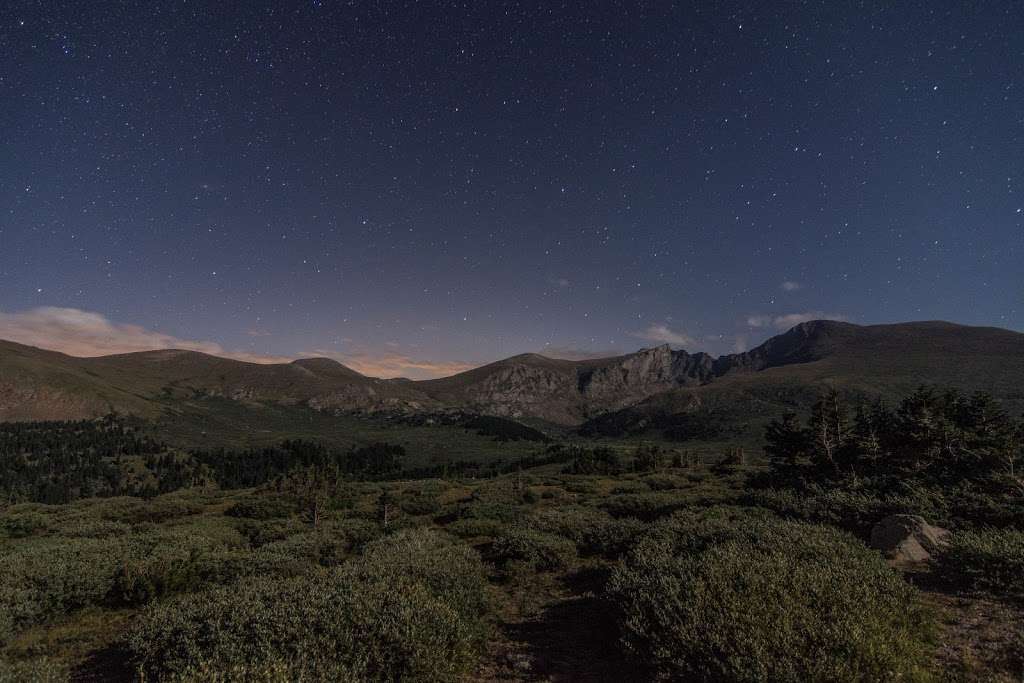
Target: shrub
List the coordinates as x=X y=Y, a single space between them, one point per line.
x=583 y=486
x=741 y=597
x=48 y=577
x=473 y=528
x=420 y=505
x=853 y=510
x=262 y=508
x=990 y=560
x=665 y=482
x=502 y=512
x=260 y=533
x=593 y=531
x=645 y=506
x=357 y=532
x=138 y=511
x=160 y=564
x=627 y=487
x=40 y=670
x=451 y=571
x=410 y=609
x=94 y=528
x=536 y=549
x=23 y=524
x=531 y=496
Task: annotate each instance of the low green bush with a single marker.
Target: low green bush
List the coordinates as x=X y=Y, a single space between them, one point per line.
x=531 y=496
x=582 y=485
x=262 y=507
x=536 y=549
x=43 y=578
x=475 y=528
x=646 y=506
x=853 y=510
x=136 y=511
x=22 y=522
x=420 y=505
x=261 y=532
x=156 y=565
x=665 y=482
x=628 y=487
x=503 y=512
x=357 y=532
x=38 y=670
x=93 y=528
x=738 y=596
x=593 y=531
x=989 y=560
x=412 y=608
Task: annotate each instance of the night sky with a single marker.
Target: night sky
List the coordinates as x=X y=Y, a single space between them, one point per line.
x=417 y=187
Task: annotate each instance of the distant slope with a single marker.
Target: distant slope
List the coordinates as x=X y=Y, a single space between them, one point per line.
x=40 y=385
x=788 y=369
x=37 y=384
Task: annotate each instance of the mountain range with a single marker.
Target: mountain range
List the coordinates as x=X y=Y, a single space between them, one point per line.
x=786 y=370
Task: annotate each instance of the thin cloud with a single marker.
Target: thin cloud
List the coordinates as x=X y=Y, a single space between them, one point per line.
x=663 y=334
x=784 y=322
x=85 y=333
x=790 y=286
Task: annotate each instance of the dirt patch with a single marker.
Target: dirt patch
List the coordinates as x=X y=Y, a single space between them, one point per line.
x=979 y=639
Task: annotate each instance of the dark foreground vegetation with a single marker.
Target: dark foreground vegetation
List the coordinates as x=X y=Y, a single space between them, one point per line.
x=124 y=559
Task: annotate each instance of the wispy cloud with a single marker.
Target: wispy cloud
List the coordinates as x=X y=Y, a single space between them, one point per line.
x=86 y=333
x=790 y=286
x=788 y=320
x=663 y=334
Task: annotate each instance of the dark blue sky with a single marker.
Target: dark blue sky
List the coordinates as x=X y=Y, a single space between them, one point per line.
x=430 y=184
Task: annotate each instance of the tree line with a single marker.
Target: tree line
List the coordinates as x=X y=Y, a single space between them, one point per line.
x=933 y=435
x=56 y=462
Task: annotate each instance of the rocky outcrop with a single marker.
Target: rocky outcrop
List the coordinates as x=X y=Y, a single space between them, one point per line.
x=568 y=392
x=908 y=538
x=645 y=371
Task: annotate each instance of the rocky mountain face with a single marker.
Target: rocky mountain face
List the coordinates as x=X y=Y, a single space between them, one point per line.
x=38 y=384
x=569 y=392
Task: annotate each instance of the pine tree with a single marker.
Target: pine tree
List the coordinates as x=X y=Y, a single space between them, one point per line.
x=787 y=443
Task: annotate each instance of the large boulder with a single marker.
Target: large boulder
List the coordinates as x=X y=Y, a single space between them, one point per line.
x=908 y=538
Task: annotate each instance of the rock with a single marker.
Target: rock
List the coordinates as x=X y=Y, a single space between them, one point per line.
x=908 y=538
